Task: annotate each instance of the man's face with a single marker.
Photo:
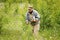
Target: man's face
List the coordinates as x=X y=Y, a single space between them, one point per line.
x=30 y=9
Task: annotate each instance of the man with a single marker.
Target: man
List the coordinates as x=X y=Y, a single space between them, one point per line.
x=33 y=18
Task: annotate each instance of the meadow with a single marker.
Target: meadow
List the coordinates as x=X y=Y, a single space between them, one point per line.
x=13 y=15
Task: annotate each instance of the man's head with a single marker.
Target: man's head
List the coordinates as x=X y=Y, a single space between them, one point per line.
x=30 y=8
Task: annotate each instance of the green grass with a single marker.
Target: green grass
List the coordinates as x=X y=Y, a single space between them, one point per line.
x=25 y=33
x=12 y=20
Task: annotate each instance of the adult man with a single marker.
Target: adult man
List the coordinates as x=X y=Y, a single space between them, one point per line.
x=33 y=18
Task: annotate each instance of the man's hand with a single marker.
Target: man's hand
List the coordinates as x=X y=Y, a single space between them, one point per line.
x=35 y=20
x=26 y=21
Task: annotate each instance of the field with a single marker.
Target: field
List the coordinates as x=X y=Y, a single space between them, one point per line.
x=13 y=15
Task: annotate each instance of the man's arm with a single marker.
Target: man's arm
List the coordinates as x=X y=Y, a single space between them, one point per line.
x=37 y=16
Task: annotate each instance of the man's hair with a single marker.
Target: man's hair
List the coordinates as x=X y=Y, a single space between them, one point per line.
x=30 y=6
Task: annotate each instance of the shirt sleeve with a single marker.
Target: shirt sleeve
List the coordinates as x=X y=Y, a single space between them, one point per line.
x=26 y=16
x=37 y=16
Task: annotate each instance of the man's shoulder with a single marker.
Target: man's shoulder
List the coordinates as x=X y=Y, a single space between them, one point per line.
x=27 y=13
x=35 y=11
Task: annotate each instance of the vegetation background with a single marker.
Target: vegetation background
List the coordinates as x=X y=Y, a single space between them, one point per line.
x=12 y=19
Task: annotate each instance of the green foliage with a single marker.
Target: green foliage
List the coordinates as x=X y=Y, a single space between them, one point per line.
x=12 y=19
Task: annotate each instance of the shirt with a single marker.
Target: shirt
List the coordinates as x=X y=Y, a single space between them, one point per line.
x=34 y=15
